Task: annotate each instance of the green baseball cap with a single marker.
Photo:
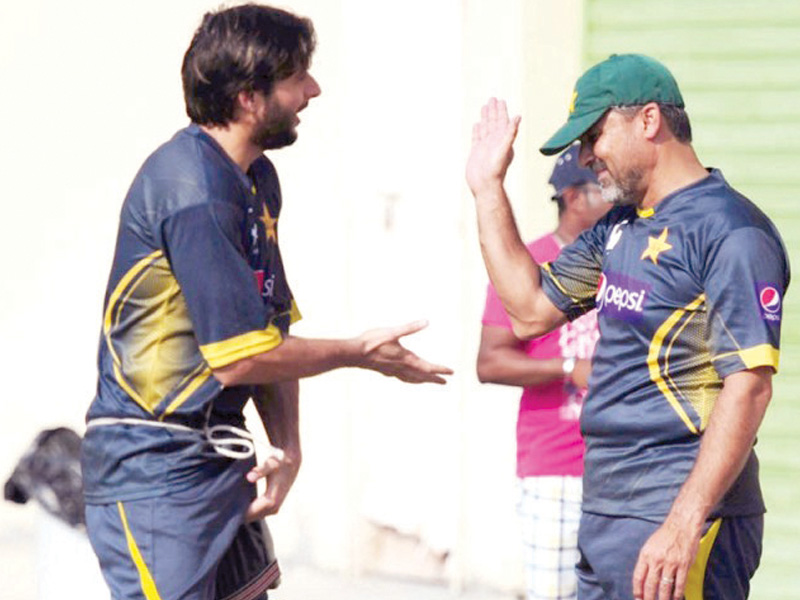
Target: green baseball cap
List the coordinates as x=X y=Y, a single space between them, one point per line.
x=620 y=80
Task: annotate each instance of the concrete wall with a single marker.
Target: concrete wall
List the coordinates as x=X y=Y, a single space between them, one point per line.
x=378 y=228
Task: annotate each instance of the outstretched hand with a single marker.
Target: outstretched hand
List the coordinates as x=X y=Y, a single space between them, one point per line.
x=492 y=146
x=382 y=352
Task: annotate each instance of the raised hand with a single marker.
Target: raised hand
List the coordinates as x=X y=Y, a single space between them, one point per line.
x=382 y=352
x=492 y=146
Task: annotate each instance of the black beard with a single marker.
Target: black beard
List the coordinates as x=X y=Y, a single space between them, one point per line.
x=274 y=140
x=275 y=135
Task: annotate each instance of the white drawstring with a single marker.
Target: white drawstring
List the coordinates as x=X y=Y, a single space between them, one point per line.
x=239 y=446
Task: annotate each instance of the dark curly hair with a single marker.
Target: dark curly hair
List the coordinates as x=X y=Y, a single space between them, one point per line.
x=244 y=48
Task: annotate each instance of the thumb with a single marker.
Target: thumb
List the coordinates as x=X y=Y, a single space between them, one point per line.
x=408 y=328
x=512 y=131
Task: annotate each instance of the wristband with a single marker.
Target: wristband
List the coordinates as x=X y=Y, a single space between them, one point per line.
x=568 y=366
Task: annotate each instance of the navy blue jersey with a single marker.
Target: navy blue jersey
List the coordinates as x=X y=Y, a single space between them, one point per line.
x=686 y=293
x=196 y=283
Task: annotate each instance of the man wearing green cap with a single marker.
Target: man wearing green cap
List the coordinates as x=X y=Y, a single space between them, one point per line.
x=687 y=277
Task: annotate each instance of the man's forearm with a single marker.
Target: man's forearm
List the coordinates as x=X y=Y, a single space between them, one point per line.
x=507 y=368
x=293 y=359
x=511 y=269
x=726 y=444
x=665 y=559
x=278 y=407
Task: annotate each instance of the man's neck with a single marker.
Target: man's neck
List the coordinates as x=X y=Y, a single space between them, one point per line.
x=678 y=168
x=235 y=140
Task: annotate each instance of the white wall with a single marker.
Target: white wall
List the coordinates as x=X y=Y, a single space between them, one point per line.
x=378 y=229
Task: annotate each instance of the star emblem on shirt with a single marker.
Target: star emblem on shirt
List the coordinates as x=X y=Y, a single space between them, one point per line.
x=269 y=224
x=656 y=245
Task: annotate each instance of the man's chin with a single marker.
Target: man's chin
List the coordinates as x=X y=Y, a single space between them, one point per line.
x=613 y=194
x=280 y=140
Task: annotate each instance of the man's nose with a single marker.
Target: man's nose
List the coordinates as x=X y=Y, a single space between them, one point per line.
x=312 y=89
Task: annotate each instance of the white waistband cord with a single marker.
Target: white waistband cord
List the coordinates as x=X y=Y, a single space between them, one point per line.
x=240 y=445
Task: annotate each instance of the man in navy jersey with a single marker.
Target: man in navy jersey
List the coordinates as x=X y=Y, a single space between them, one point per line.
x=688 y=278
x=196 y=323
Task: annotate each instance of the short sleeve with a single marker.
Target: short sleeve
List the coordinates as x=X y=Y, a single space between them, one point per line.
x=571 y=280
x=746 y=277
x=230 y=319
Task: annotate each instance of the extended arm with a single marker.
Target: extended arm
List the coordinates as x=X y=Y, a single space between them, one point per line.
x=726 y=445
x=277 y=405
x=513 y=272
x=502 y=359
x=294 y=358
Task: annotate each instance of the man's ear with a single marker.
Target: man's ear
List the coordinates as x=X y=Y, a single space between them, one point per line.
x=571 y=196
x=245 y=102
x=651 y=120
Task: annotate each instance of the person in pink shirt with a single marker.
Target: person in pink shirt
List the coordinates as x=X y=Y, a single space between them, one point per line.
x=553 y=371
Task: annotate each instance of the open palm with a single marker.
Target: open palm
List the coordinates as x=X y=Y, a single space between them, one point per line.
x=492 y=146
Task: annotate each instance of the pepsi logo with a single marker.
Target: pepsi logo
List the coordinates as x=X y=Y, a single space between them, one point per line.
x=601 y=287
x=770 y=299
x=621 y=297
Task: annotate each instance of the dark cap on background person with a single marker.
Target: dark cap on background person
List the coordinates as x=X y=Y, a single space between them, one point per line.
x=568 y=173
x=620 y=80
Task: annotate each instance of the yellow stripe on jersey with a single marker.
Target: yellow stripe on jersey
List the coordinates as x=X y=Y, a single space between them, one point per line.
x=221 y=354
x=197 y=380
x=146 y=579
x=113 y=300
x=655 y=350
x=546 y=267
x=764 y=355
x=697 y=572
x=123 y=383
x=115 y=304
x=294 y=313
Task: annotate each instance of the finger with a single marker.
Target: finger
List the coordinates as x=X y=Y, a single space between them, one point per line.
x=515 y=127
x=665 y=586
x=263 y=470
x=422 y=371
x=651 y=584
x=432 y=369
x=502 y=112
x=639 y=576
x=417 y=377
x=420 y=364
x=680 y=583
x=483 y=124
x=492 y=110
x=407 y=329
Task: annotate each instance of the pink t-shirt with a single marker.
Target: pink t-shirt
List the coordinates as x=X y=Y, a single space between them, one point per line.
x=548 y=433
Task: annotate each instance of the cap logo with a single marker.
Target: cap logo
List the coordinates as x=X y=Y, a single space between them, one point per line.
x=572 y=102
